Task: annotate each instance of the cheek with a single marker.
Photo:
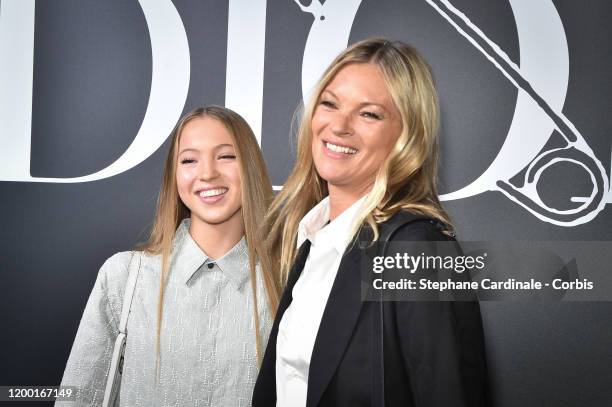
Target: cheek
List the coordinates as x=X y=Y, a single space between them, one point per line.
x=319 y=121
x=236 y=180
x=232 y=174
x=316 y=129
x=315 y=124
x=382 y=139
x=313 y=149
x=238 y=188
x=393 y=132
x=377 y=145
x=183 y=181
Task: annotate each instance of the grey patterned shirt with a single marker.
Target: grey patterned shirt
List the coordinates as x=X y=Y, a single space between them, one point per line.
x=208 y=355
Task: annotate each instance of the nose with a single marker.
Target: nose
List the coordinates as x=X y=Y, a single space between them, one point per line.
x=341 y=124
x=208 y=170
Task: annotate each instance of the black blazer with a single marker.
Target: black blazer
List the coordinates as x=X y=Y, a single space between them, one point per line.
x=433 y=351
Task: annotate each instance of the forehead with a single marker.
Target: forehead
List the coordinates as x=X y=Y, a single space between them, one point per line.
x=362 y=82
x=204 y=133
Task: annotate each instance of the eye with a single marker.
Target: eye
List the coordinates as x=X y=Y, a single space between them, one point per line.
x=327 y=103
x=371 y=115
x=227 y=157
x=187 y=161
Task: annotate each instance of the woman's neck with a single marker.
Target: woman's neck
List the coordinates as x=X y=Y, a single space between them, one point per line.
x=217 y=239
x=342 y=198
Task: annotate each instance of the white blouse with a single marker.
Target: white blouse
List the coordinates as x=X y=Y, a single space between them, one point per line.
x=300 y=323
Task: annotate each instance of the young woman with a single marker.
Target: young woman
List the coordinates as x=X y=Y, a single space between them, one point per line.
x=366 y=163
x=205 y=293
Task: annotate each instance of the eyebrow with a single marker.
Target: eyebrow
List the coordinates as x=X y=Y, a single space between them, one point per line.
x=223 y=145
x=188 y=149
x=361 y=104
x=195 y=150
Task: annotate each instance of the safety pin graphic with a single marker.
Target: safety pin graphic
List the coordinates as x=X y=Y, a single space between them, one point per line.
x=330 y=33
x=577 y=151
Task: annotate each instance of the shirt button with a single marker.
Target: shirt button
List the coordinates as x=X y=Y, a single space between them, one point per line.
x=211 y=265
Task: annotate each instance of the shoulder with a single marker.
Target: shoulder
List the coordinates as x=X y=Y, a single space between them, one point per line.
x=117 y=265
x=113 y=274
x=408 y=226
x=117 y=262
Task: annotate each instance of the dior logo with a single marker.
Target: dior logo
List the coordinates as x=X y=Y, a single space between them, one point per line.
x=538 y=106
x=169 y=85
x=541 y=83
x=539 y=103
x=169 y=82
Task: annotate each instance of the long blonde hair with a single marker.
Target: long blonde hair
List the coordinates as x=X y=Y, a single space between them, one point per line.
x=256 y=197
x=405 y=181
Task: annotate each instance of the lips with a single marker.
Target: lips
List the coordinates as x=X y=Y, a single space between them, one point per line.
x=211 y=195
x=207 y=193
x=335 y=150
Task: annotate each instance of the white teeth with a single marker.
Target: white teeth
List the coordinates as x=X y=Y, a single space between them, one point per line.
x=212 y=192
x=340 y=149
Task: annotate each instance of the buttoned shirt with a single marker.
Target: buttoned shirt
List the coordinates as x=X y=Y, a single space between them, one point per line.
x=300 y=323
x=207 y=349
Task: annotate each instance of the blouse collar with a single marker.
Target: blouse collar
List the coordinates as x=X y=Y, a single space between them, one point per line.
x=188 y=258
x=316 y=227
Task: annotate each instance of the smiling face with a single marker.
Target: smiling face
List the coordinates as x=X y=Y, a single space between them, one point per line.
x=354 y=127
x=208 y=173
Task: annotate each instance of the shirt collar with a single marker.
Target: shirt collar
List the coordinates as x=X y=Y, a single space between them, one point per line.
x=188 y=258
x=314 y=225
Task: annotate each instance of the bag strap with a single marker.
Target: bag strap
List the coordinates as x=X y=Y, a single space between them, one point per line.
x=394 y=225
x=113 y=381
x=129 y=294
x=391 y=228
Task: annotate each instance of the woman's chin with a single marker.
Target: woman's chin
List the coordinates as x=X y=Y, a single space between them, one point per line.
x=212 y=218
x=334 y=175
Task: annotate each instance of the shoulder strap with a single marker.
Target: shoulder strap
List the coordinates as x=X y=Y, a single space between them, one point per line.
x=129 y=293
x=378 y=394
x=393 y=225
x=113 y=381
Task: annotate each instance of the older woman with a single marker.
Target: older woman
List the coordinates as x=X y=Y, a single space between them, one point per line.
x=366 y=165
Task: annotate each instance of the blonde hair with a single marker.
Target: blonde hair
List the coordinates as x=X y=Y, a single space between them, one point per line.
x=256 y=197
x=405 y=181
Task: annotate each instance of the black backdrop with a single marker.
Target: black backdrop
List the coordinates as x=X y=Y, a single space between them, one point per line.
x=92 y=74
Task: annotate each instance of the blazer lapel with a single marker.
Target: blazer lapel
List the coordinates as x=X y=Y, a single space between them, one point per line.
x=265 y=388
x=337 y=324
x=294 y=275
x=343 y=309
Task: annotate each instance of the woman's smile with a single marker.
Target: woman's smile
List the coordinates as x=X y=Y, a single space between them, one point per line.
x=337 y=150
x=208 y=174
x=212 y=195
x=354 y=127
